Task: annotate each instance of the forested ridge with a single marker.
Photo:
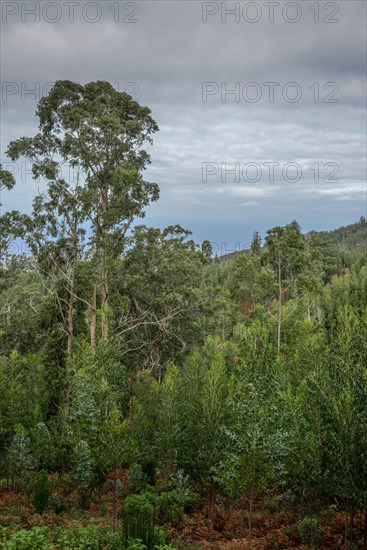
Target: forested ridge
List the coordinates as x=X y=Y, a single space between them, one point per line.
x=155 y=396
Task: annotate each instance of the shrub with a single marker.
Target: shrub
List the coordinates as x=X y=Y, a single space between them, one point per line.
x=139 y=518
x=174 y=504
x=42 y=445
x=56 y=503
x=143 y=504
x=34 y=539
x=138 y=478
x=310 y=531
x=21 y=460
x=41 y=492
x=135 y=544
x=82 y=464
x=288 y=499
x=81 y=538
x=271 y=505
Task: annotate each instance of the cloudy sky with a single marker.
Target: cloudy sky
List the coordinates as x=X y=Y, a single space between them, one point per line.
x=261 y=105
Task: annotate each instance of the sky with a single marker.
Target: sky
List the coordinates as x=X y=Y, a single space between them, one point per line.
x=261 y=105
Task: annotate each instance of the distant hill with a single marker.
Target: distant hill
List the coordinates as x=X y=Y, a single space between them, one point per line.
x=348 y=237
x=351 y=236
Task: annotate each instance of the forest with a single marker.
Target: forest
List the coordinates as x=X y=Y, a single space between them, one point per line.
x=152 y=395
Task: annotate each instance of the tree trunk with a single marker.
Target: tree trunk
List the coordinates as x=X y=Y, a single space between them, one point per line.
x=93 y=320
x=105 y=273
x=70 y=336
x=279 y=307
x=70 y=324
x=104 y=305
x=70 y=315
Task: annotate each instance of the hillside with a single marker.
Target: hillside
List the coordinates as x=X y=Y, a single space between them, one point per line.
x=349 y=237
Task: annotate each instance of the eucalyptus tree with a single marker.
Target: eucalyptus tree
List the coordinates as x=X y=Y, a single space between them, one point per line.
x=246 y=466
x=324 y=251
x=100 y=133
x=202 y=389
x=256 y=244
x=339 y=393
x=251 y=284
x=7 y=181
x=207 y=251
x=162 y=301
x=286 y=252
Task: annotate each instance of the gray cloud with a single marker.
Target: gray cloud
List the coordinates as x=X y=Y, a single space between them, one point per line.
x=169 y=53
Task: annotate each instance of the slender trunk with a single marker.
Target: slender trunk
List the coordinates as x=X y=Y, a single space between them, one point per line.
x=279 y=307
x=365 y=530
x=104 y=304
x=70 y=328
x=105 y=273
x=93 y=319
x=70 y=331
x=71 y=302
x=70 y=314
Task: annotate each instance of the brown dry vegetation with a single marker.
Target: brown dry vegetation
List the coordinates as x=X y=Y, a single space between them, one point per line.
x=212 y=527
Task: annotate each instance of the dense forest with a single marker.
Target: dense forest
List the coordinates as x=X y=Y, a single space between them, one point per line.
x=153 y=396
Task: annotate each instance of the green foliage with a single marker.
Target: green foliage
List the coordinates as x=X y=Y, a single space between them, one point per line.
x=23 y=390
x=42 y=444
x=7 y=180
x=207 y=250
x=82 y=470
x=80 y=538
x=251 y=283
x=142 y=512
x=21 y=461
x=272 y=504
x=56 y=503
x=174 y=505
x=34 y=539
x=82 y=464
x=135 y=350
x=144 y=504
x=286 y=250
x=74 y=538
x=139 y=518
x=41 y=492
x=310 y=531
x=202 y=390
